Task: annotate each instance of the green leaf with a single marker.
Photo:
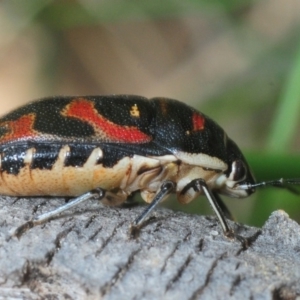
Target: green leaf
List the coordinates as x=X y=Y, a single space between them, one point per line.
x=286 y=119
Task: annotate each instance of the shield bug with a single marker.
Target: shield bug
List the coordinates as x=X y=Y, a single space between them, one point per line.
x=112 y=146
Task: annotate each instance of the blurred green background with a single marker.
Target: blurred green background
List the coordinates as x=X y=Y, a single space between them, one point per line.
x=236 y=61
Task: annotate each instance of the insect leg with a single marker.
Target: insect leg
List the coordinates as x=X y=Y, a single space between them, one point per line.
x=223 y=207
x=165 y=189
x=99 y=193
x=200 y=185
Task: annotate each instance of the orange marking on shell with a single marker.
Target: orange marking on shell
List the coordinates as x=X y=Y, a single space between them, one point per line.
x=18 y=129
x=134 y=111
x=198 y=122
x=84 y=110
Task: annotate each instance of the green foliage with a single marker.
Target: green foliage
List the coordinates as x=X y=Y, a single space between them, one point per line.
x=285 y=121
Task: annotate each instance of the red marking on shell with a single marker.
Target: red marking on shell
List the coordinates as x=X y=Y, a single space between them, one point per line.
x=198 y=121
x=84 y=110
x=19 y=129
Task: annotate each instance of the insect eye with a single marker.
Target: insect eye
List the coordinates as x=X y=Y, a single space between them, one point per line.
x=238 y=171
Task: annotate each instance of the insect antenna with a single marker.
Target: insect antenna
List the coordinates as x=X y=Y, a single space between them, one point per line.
x=288 y=184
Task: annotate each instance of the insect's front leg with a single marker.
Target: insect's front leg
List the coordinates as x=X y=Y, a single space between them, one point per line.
x=165 y=190
x=200 y=185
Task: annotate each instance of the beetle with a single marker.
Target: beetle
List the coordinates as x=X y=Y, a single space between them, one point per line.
x=112 y=146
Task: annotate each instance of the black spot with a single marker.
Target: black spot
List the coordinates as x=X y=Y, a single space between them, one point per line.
x=111 y=155
x=78 y=155
x=45 y=156
x=12 y=159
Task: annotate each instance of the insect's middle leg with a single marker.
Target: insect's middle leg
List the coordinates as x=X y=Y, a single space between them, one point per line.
x=165 y=190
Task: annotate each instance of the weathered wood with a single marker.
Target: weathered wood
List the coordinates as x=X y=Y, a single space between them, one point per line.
x=88 y=254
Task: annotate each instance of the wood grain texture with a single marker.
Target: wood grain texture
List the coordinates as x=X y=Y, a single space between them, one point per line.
x=86 y=254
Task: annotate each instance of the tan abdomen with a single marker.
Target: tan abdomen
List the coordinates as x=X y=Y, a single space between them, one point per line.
x=127 y=174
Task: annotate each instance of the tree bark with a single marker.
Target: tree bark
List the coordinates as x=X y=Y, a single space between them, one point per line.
x=87 y=253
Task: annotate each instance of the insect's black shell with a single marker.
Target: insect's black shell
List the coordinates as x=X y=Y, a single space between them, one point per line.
x=50 y=121
x=167 y=122
x=172 y=126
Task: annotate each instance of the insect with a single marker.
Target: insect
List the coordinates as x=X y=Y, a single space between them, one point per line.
x=112 y=146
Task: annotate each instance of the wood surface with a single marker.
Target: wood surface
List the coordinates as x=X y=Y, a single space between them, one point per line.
x=87 y=254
